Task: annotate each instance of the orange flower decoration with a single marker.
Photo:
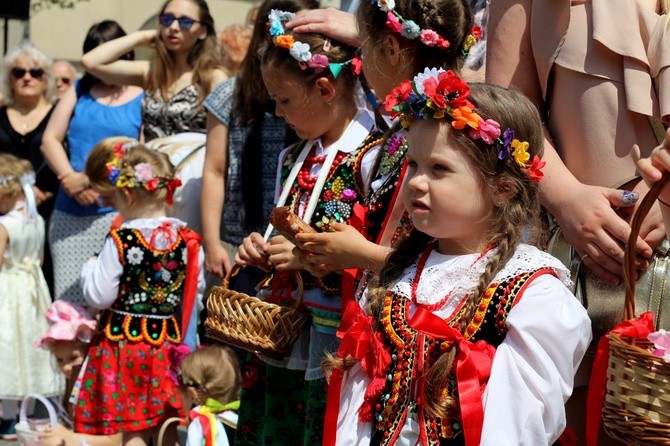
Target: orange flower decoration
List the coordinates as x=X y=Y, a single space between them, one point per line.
x=464 y=116
x=284 y=41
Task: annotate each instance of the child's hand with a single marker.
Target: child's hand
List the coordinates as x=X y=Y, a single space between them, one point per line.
x=281 y=254
x=217 y=261
x=336 y=251
x=253 y=252
x=57 y=436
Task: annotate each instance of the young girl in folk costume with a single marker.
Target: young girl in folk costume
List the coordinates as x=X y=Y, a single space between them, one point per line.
x=209 y=378
x=466 y=336
x=24 y=296
x=147 y=268
x=397 y=40
x=71 y=328
x=312 y=81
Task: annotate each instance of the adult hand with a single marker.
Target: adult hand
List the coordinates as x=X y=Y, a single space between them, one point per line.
x=87 y=197
x=281 y=254
x=652 y=229
x=74 y=182
x=148 y=37
x=253 y=252
x=653 y=167
x=217 y=260
x=592 y=226
x=332 y=22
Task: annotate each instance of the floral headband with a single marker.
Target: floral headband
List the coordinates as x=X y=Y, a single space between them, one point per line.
x=27 y=181
x=410 y=30
x=142 y=176
x=437 y=94
x=301 y=51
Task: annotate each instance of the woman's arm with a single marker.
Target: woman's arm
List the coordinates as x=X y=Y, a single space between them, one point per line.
x=52 y=146
x=213 y=194
x=590 y=224
x=102 y=61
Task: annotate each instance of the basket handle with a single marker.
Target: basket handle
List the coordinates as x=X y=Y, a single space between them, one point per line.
x=629 y=255
x=164 y=426
x=23 y=415
x=298 y=280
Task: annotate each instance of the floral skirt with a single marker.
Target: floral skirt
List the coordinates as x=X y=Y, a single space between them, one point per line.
x=124 y=387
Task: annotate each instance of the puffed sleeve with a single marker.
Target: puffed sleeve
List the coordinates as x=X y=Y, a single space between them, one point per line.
x=100 y=276
x=534 y=367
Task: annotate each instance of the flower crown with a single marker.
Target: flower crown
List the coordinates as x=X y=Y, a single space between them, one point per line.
x=142 y=175
x=25 y=179
x=437 y=94
x=410 y=30
x=301 y=51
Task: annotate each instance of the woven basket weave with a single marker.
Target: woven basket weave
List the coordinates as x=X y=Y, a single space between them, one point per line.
x=249 y=323
x=637 y=403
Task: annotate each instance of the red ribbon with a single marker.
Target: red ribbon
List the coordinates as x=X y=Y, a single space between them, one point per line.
x=359 y=341
x=191 y=281
x=207 y=428
x=473 y=368
x=639 y=329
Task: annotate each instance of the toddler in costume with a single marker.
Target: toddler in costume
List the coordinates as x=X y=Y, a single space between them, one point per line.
x=148 y=270
x=312 y=80
x=467 y=336
x=209 y=378
x=24 y=295
x=71 y=328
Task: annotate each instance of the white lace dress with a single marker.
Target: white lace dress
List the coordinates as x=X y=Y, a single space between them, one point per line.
x=533 y=368
x=24 y=298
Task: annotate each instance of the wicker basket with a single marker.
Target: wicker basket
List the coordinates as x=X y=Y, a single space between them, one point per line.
x=249 y=323
x=637 y=403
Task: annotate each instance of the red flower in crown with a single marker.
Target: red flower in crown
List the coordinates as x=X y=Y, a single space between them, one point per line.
x=398 y=95
x=356 y=65
x=476 y=31
x=447 y=90
x=152 y=184
x=535 y=169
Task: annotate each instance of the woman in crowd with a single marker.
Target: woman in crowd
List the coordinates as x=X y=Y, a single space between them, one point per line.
x=88 y=113
x=29 y=90
x=184 y=70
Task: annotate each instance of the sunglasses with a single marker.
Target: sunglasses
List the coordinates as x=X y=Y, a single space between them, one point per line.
x=185 y=23
x=35 y=73
x=65 y=80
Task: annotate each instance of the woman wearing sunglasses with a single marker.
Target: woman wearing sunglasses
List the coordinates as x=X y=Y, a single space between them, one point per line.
x=28 y=91
x=185 y=68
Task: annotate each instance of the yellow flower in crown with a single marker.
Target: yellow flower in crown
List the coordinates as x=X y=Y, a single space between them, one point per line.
x=284 y=41
x=520 y=152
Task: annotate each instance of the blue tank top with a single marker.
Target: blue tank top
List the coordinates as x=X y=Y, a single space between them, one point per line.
x=92 y=122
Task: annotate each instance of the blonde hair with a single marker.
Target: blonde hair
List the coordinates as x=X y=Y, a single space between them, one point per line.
x=214 y=373
x=12 y=170
x=27 y=52
x=104 y=153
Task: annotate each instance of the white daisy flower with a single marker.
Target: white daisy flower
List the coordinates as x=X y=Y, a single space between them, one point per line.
x=134 y=255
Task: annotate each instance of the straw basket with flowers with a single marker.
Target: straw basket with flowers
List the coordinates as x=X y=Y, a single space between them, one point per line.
x=631 y=377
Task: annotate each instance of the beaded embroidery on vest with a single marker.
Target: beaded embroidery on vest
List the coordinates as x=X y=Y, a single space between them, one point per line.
x=412 y=355
x=152 y=286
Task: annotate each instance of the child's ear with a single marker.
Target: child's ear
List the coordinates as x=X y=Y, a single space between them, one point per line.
x=327 y=89
x=503 y=193
x=392 y=49
x=193 y=394
x=128 y=196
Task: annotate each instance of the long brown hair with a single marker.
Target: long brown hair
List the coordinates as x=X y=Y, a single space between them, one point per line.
x=204 y=58
x=214 y=373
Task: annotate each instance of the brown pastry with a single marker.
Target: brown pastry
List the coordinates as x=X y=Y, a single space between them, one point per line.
x=288 y=224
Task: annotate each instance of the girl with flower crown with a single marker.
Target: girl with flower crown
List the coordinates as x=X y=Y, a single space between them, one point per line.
x=24 y=296
x=467 y=336
x=148 y=271
x=321 y=179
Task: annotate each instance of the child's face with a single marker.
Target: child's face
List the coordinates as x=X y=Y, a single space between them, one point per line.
x=301 y=107
x=444 y=193
x=69 y=355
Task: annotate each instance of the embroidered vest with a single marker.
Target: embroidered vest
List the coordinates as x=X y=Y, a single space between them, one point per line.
x=151 y=288
x=412 y=355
